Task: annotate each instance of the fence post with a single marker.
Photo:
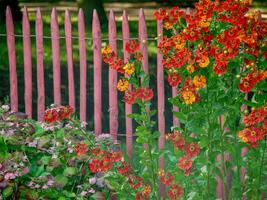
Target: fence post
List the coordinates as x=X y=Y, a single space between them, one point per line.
x=27 y=63
x=83 y=67
x=97 y=74
x=112 y=81
x=143 y=39
x=161 y=102
x=68 y=34
x=40 y=66
x=56 y=56
x=12 y=61
x=128 y=107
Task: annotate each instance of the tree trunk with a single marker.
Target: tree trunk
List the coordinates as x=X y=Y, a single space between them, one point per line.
x=15 y=9
x=88 y=7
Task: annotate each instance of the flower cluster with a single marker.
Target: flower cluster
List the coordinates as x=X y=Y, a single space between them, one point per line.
x=131 y=70
x=208 y=39
x=103 y=160
x=255 y=126
x=175 y=190
x=191 y=150
x=59 y=113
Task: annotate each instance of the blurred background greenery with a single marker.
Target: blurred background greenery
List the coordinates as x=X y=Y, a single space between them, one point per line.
x=102 y=6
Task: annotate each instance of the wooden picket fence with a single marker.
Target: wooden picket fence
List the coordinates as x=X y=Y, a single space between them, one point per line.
x=97 y=64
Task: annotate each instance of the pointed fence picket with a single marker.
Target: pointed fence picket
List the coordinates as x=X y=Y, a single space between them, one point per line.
x=97 y=66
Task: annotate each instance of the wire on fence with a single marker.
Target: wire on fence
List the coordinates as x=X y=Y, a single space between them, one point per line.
x=86 y=38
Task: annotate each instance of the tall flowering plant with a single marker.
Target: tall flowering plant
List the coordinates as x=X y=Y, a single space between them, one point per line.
x=215 y=57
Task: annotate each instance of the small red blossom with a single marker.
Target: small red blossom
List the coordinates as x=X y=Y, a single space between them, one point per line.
x=185 y=163
x=80 y=149
x=135 y=181
x=167 y=179
x=95 y=165
x=192 y=149
x=246 y=85
x=132 y=47
x=51 y=116
x=65 y=112
x=174 y=79
x=175 y=192
x=160 y=14
x=116 y=156
x=130 y=97
x=145 y=94
x=124 y=168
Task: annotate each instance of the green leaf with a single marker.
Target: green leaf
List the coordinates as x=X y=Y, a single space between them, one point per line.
x=203 y=142
x=249 y=57
x=3 y=148
x=7 y=192
x=61 y=181
x=69 y=171
x=181 y=116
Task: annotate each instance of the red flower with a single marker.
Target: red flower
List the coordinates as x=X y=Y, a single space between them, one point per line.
x=185 y=163
x=253 y=134
x=106 y=164
x=80 y=149
x=117 y=65
x=175 y=192
x=51 y=116
x=174 y=79
x=145 y=94
x=256 y=116
x=135 y=182
x=124 y=168
x=246 y=85
x=133 y=46
x=192 y=149
x=167 y=179
x=160 y=14
x=177 y=140
x=109 y=58
x=96 y=151
x=220 y=68
x=95 y=165
x=130 y=97
x=116 y=156
x=65 y=112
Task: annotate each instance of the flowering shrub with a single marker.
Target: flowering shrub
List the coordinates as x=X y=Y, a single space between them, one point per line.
x=56 y=159
x=215 y=56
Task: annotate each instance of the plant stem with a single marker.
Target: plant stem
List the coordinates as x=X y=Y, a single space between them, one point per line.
x=260 y=171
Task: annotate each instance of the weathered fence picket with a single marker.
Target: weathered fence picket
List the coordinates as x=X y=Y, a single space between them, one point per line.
x=12 y=60
x=40 y=66
x=128 y=107
x=27 y=63
x=83 y=65
x=161 y=101
x=68 y=35
x=112 y=81
x=56 y=56
x=97 y=74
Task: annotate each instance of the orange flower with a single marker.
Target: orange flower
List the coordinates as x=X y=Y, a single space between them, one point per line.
x=199 y=82
x=190 y=68
x=204 y=61
x=179 y=42
x=189 y=97
x=129 y=68
x=106 y=50
x=123 y=85
x=147 y=190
